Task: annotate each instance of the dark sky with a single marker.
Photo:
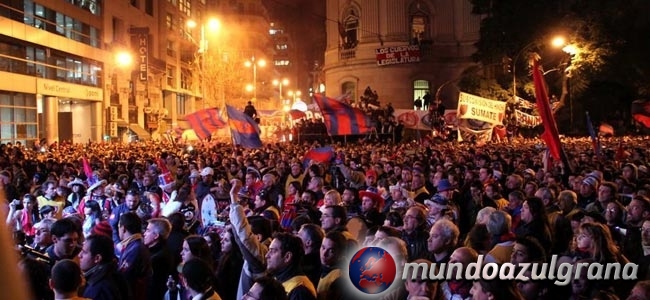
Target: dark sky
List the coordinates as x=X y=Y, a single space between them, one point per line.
x=304 y=20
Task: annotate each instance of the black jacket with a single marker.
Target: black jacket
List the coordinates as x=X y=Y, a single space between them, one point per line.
x=104 y=282
x=162 y=263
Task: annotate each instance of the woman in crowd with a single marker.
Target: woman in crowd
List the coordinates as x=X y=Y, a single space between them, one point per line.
x=92 y=216
x=229 y=267
x=24 y=215
x=289 y=211
x=194 y=246
x=534 y=221
x=214 y=242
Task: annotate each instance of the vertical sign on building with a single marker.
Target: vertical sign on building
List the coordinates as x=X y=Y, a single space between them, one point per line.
x=142 y=46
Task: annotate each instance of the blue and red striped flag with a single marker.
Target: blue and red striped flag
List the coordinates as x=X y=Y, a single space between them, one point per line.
x=342 y=119
x=592 y=133
x=244 y=129
x=321 y=155
x=206 y=121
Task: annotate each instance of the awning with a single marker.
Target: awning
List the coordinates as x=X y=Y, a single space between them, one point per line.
x=122 y=123
x=140 y=132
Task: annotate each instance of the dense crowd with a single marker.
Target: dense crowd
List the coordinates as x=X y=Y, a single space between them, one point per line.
x=158 y=220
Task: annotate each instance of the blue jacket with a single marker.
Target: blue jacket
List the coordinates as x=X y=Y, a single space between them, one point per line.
x=103 y=282
x=135 y=266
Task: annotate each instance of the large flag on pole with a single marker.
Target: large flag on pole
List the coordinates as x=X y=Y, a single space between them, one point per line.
x=321 y=155
x=551 y=135
x=592 y=133
x=341 y=118
x=206 y=121
x=244 y=129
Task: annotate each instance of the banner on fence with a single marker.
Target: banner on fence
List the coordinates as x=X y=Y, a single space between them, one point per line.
x=527 y=120
x=477 y=117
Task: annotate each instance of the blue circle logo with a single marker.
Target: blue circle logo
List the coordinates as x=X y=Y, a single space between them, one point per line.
x=372 y=270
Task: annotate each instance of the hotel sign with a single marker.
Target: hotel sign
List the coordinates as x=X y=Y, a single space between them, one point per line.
x=397 y=55
x=142 y=47
x=68 y=90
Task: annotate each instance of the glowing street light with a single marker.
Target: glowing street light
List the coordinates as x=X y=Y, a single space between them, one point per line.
x=556 y=42
x=254 y=63
x=295 y=95
x=280 y=83
x=213 y=25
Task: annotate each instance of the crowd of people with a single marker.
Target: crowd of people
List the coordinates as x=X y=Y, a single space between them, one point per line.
x=158 y=220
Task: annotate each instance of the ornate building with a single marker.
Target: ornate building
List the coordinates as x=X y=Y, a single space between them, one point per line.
x=401 y=49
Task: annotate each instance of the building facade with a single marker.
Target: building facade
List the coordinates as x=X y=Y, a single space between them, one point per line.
x=399 y=49
x=60 y=80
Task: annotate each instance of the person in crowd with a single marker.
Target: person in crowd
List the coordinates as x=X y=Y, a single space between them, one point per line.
x=162 y=262
x=131 y=204
x=398 y=249
x=614 y=214
x=495 y=290
x=66 y=279
x=229 y=266
x=458 y=288
x=42 y=235
x=283 y=262
x=290 y=209
x=96 y=193
x=421 y=289
x=186 y=204
x=350 y=200
x=97 y=261
x=266 y=288
x=499 y=226
x=50 y=198
x=371 y=205
x=640 y=291
x=637 y=211
x=534 y=221
x=332 y=254
x=252 y=237
x=65 y=238
x=23 y=215
x=134 y=257
x=607 y=192
x=312 y=237
x=176 y=237
x=527 y=250
x=442 y=241
x=214 y=242
x=295 y=175
x=92 y=216
x=414 y=232
x=198 y=278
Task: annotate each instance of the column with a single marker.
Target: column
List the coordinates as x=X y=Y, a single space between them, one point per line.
x=98 y=126
x=51 y=118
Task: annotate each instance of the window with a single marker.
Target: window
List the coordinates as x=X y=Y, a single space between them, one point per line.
x=18 y=118
x=173 y=2
x=420 y=88
x=349 y=88
x=180 y=104
x=186 y=79
x=281 y=47
x=349 y=29
x=419 y=22
x=170 y=76
x=169 y=21
x=148 y=7
x=282 y=62
x=185 y=7
x=170 y=49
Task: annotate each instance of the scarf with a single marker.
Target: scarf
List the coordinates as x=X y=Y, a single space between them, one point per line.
x=27 y=224
x=124 y=243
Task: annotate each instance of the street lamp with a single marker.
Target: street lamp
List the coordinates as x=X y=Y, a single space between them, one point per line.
x=280 y=83
x=295 y=95
x=254 y=63
x=213 y=25
x=557 y=42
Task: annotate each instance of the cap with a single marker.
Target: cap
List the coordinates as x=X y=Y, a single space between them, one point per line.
x=590 y=180
x=207 y=171
x=195 y=174
x=371 y=173
x=444 y=185
x=436 y=200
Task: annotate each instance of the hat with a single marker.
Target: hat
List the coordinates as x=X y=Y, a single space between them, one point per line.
x=207 y=171
x=437 y=200
x=251 y=170
x=195 y=174
x=374 y=196
x=444 y=185
x=371 y=173
x=590 y=180
x=529 y=172
x=598 y=175
x=96 y=183
x=393 y=188
x=76 y=181
x=102 y=228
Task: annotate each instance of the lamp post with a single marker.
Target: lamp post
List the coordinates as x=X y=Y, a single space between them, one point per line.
x=122 y=60
x=280 y=83
x=294 y=95
x=213 y=25
x=254 y=63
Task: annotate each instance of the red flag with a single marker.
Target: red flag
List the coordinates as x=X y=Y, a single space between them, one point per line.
x=551 y=135
x=88 y=171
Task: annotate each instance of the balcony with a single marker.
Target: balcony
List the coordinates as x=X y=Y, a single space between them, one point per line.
x=347 y=54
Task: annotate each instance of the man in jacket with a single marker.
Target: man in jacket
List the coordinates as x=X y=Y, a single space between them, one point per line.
x=135 y=260
x=100 y=270
x=283 y=262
